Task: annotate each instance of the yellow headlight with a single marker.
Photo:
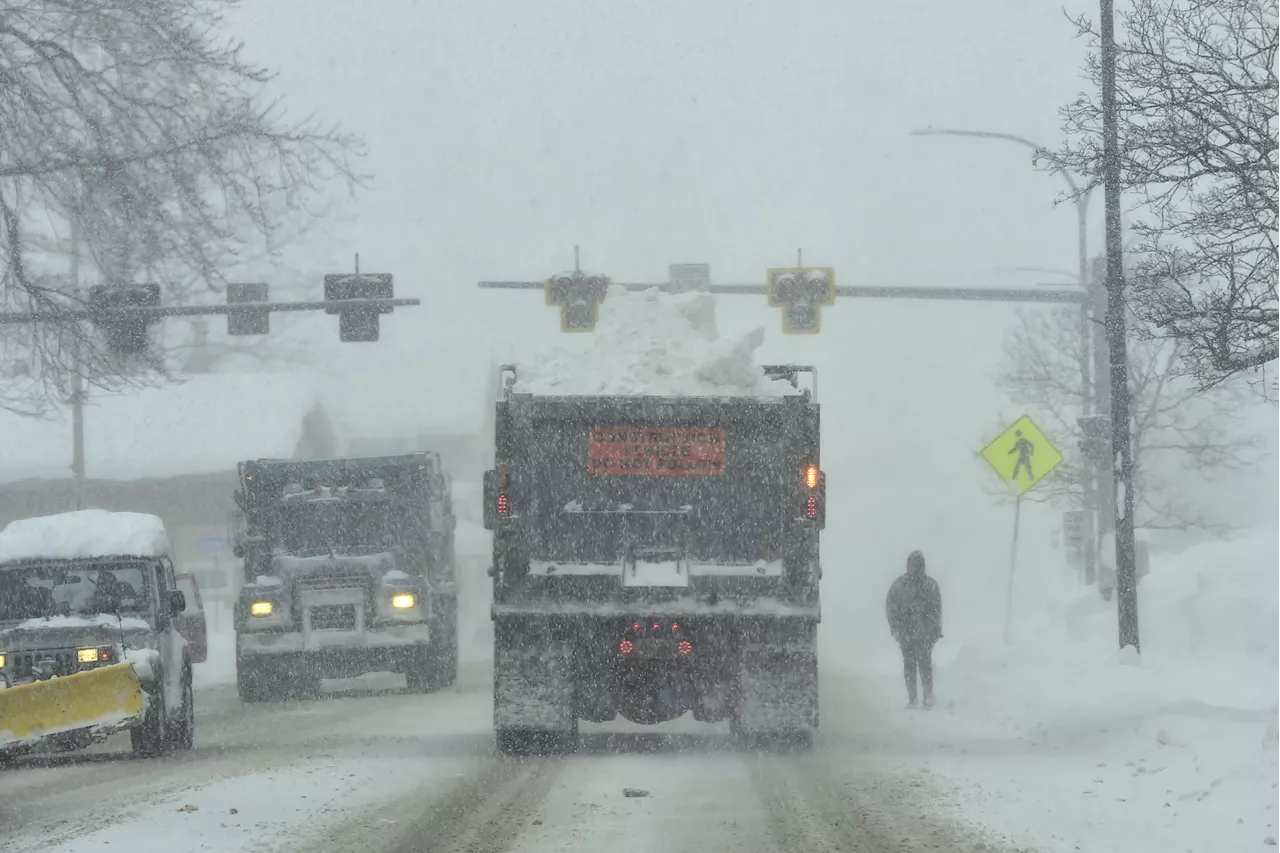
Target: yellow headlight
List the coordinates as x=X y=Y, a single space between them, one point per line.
x=1 y=661
x=262 y=608
x=87 y=655
x=404 y=601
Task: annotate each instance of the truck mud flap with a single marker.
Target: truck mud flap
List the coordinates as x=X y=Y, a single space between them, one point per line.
x=533 y=679
x=107 y=699
x=778 y=687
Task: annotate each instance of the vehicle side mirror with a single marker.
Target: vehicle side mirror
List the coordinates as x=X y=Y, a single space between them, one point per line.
x=177 y=602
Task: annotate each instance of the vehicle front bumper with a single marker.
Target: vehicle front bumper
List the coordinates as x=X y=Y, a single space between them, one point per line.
x=388 y=637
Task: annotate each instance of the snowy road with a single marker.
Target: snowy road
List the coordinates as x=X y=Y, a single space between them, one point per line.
x=402 y=773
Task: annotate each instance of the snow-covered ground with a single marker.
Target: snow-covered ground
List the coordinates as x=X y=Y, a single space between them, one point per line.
x=1060 y=741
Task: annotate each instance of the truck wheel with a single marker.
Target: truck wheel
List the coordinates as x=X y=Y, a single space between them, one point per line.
x=149 y=738
x=420 y=673
x=536 y=741
x=182 y=733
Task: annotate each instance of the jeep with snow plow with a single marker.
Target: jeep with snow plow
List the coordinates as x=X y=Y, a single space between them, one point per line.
x=348 y=569
x=88 y=642
x=655 y=556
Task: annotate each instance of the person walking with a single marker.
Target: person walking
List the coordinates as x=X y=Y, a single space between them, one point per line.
x=914 y=608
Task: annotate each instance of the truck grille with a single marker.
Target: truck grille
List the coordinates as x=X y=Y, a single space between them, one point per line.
x=333 y=617
x=61 y=662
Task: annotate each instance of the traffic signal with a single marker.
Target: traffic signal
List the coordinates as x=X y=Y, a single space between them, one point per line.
x=578 y=296
x=248 y=321
x=358 y=323
x=126 y=334
x=802 y=292
x=1095 y=438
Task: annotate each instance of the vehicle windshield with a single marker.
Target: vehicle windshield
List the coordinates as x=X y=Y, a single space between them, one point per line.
x=320 y=526
x=31 y=592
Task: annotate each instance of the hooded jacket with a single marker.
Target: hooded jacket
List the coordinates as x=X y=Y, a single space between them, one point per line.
x=914 y=605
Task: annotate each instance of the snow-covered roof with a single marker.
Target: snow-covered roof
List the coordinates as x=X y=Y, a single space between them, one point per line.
x=654 y=344
x=84 y=533
x=202 y=425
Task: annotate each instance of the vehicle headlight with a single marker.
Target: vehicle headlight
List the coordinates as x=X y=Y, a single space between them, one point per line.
x=1 y=660
x=262 y=608
x=404 y=601
x=87 y=655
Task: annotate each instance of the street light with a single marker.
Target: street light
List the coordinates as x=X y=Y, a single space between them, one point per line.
x=1080 y=198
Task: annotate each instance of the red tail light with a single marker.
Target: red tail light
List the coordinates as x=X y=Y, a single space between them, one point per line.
x=811 y=507
x=503 y=507
x=685 y=647
x=625 y=647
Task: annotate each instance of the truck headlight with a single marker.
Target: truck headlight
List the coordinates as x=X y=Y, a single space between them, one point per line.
x=87 y=655
x=1 y=660
x=262 y=608
x=404 y=601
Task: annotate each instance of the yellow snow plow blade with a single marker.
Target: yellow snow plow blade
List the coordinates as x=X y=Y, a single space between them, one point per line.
x=108 y=698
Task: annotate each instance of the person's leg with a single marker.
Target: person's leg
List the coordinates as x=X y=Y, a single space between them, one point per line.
x=909 y=670
x=925 y=662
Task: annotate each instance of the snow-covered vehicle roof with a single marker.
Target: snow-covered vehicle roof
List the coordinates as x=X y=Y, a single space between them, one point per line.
x=84 y=534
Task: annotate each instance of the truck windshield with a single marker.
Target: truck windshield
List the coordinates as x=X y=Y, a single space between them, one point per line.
x=35 y=591
x=315 y=526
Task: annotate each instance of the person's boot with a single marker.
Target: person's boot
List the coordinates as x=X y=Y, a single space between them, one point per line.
x=928 y=700
x=911 y=700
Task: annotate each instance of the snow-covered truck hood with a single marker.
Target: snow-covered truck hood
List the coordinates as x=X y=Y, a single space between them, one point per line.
x=287 y=568
x=76 y=632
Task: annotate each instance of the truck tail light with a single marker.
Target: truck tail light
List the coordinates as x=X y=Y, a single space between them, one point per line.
x=811 y=477
x=503 y=507
x=625 y=647
x=811 y=507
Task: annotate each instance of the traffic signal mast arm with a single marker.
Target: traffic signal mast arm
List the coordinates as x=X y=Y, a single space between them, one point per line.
x=153 y=312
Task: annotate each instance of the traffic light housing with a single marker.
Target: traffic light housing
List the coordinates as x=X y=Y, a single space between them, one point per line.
x=358 y=323
x=1095 y=438
x=126 y=334
x=248 y=321
x=578 y=296
x=802 y=292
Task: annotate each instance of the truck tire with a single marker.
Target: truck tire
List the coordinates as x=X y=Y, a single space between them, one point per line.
x=420 y=670
x=536 y=741
x=253 y=683
x=182 y=732
x=150 y=737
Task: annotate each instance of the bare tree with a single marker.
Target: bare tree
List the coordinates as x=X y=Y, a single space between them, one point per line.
x=1178 y=428
x=1197 y=100
x=137 y=124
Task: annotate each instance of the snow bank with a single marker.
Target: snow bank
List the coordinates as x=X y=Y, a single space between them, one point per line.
x=655 y=344
x=1079 y=745
x=85 y=533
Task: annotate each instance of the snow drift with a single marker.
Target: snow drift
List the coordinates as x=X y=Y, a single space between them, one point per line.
x=655 y=344
x=84 y=533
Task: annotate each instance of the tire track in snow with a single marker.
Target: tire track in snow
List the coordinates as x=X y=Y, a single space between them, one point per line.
x=866 y=811
x=483 y=813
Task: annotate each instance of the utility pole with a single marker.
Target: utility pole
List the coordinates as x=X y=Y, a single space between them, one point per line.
x=1121 y=449
x=1091 y=341
x=77 y=383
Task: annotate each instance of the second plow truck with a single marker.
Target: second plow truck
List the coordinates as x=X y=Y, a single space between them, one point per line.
x=89 y=644
x=655 y=556
x=348 y=569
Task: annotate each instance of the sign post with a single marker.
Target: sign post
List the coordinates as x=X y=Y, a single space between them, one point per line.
x=1022 y=457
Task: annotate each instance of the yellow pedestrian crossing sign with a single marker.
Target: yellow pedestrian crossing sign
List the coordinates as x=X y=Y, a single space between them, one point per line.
x=1022 y=456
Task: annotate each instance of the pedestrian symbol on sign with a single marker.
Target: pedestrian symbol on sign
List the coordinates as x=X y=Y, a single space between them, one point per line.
x=1025 y=450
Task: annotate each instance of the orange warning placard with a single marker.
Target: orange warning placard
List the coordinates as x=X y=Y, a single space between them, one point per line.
x=656 y=450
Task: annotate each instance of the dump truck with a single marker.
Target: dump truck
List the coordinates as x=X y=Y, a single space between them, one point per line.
x=655 y=556
x=89 y=645
x=348 y=569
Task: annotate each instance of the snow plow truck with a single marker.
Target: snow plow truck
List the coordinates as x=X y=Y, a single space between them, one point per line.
x=655 y=556
x=88 y=641
x=348 y=569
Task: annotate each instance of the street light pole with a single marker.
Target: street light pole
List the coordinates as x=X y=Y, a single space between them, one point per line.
x=1089 y=345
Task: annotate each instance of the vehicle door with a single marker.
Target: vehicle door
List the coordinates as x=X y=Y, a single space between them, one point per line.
x=169 y=641
x=191 y=623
